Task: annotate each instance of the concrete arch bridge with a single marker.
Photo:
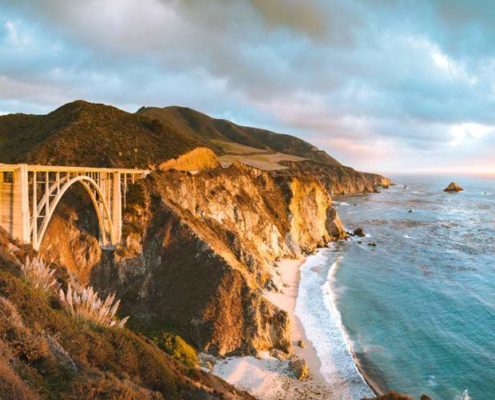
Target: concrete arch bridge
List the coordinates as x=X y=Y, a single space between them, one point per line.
x=29 y=195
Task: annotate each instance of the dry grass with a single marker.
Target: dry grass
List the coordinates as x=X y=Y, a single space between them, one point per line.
x=109 y=387
x=239 y=149
x=11 y=385
x=88 y=306
x=267 y=161
x=23 y=341
x=39 y=274
x=9 y=313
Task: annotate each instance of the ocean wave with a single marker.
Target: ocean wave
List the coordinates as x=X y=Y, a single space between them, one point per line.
x=463 y=396
x=317 y=310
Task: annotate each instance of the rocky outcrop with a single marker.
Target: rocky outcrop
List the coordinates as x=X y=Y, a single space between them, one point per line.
x=453 y=187
x=199 y=247
x=358 y=232
x=337 y=179
x=397 y=396
x=198 y=159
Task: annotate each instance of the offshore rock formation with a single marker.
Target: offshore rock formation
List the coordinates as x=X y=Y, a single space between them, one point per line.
x=199 y=248
x=453 y=187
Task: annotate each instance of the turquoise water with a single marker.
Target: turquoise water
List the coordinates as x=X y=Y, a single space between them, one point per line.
x=418 y=310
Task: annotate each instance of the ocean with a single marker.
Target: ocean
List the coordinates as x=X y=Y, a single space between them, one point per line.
x=416 y=312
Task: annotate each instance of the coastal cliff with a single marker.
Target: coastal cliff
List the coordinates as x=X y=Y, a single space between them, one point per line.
x=337 y=179
x=199 y=244
x=198 y=248
x=200 y=238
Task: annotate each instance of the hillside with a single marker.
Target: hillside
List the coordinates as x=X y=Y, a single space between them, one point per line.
x=219 y=133
x=46 y=353
x=81 y=133
x=281 y=154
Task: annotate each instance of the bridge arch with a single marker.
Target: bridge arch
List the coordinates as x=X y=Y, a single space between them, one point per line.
x=29 y=195
x=97 y=198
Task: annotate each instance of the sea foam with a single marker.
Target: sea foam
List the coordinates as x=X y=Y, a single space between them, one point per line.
x=316 y=308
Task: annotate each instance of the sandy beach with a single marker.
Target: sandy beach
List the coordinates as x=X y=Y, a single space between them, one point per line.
x=266 y=377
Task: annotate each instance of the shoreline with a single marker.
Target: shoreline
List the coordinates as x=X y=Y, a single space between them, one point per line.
x=290 y=274
x=269 y=378
x=372 y=380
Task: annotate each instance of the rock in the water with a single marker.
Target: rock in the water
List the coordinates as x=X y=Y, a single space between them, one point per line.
x=372 y=244
x=359 y=232
x=453 y=187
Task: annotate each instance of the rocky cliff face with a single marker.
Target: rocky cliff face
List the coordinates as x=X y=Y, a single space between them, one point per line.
x=198 y=248
x=337 y=179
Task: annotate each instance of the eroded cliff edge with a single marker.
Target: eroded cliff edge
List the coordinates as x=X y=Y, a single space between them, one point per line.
x=198 y=249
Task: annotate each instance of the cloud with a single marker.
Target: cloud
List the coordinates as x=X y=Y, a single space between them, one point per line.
x=391 y=80
x=305 y=17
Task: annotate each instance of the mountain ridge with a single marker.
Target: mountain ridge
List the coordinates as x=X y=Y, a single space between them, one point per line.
x=23 y=135
x=223 y=129
x=91 y=134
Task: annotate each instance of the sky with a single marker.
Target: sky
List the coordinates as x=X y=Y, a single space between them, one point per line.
x=382 y=85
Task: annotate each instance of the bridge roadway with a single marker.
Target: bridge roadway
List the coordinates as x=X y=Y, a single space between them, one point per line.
x=29 y=195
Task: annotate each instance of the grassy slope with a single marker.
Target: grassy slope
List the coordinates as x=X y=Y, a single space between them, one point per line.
x=210 y=131
x=86 y=362
x=81 y=133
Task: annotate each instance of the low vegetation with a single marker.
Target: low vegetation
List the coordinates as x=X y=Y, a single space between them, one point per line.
x=88 y=306
x=46 y=353
x=178 y=348
x=39 y=274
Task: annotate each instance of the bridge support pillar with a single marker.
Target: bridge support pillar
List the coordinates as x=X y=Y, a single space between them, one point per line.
x=116 y=208
x=20 y=204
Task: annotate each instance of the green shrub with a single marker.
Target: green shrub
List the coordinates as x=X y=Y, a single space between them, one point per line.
x=178 y=348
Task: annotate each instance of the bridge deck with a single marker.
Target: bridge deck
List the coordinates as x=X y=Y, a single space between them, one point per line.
x=65 y=168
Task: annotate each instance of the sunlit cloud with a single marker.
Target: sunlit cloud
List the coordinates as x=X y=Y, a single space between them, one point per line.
x=463 y=134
